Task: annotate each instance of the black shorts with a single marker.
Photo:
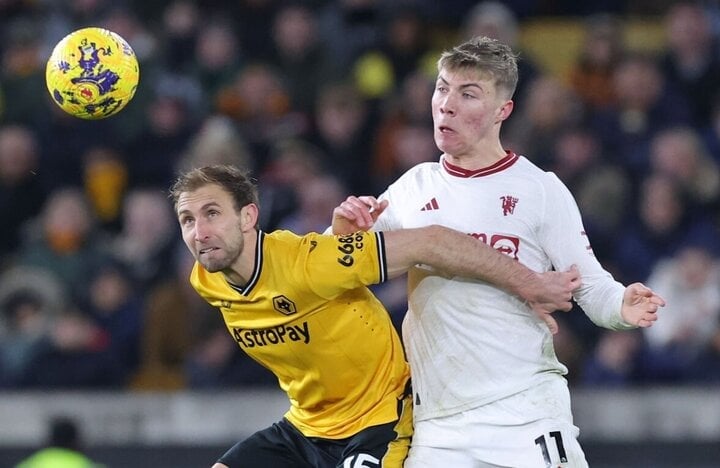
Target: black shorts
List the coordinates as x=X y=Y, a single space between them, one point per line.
x=283 y=446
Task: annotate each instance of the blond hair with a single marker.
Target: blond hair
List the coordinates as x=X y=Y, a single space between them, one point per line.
x=486 y=56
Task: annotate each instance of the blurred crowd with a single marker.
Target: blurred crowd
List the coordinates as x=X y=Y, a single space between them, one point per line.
x=322 y=99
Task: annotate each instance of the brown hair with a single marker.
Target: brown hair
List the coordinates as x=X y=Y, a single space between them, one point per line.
x=233 y=180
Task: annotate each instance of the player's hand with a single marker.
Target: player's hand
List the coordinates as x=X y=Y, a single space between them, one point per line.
x=640 y=305
x=553 y=291
x=357 y=214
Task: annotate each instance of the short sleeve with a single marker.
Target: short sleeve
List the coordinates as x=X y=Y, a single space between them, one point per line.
x=334 y=264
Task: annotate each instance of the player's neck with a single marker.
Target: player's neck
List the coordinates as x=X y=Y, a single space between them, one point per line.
x=243 y=268
x=476 y=160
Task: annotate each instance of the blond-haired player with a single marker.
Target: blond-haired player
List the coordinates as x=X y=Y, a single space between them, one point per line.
x=488 y=388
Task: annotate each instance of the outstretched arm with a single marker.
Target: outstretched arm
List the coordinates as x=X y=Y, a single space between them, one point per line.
x=640 y=305
x=462 y=255
x=545 y=292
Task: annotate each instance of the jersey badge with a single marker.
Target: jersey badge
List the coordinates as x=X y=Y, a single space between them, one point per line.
x=284 y=305
x=508 y=204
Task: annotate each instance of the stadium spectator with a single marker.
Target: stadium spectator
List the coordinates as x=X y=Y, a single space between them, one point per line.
x=22 y=193
x=710 y=131
x=405 y=108
x=601 y=188
x=655 y=228
x=171 y=120
x=409 y=144
x=497 y=20
x=93 y=341
x=65 y=448
x=65 y=241
x=342 y=121
x=644 y=105
x=22 y=74
x=680 y=154
x=147 y=238
x=690 y=63
x=299 y=55
x=163 y=349
x=179 y=25
x=591 y=74
x=259 y=103
x=105 y=180
x=615 y=361
x=30 y=301
x=291 y=163
x=401 y=50
x=690 y=281
x=115 y=306
x=551 y=107
x=217 y=140
x=218 y=56
x=317 y=195
x=350 y=27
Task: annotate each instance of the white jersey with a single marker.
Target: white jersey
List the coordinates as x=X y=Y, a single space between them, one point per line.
x=470 y=343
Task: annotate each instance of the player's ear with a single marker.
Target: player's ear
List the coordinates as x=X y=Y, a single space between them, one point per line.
x=505 y=110
x=249 y=216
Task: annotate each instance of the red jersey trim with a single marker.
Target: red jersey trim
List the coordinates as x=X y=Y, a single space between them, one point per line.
x=510 y=159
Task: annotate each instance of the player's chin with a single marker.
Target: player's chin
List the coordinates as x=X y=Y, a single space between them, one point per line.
x=211 y=265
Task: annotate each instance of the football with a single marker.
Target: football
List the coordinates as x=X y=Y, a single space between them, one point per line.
x=92 y=73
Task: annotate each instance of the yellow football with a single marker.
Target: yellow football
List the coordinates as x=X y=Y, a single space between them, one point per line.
x=92 y=73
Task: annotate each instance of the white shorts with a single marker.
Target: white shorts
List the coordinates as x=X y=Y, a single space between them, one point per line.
x=532 y=429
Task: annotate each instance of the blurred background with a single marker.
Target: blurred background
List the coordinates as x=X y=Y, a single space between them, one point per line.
x=105 y=347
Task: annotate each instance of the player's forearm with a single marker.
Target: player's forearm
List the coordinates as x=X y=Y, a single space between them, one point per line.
x=458 y=254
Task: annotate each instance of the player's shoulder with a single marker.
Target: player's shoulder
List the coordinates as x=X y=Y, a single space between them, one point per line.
x=420 y=172
x=532 y=170
x=426 y=167
x=287 y=241
x=282 y=243
x=281 y=236
x=545 y=183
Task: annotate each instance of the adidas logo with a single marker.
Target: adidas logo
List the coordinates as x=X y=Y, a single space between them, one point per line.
x=431 y=205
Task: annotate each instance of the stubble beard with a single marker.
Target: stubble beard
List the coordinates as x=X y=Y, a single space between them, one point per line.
x=215 y=265
x=231 y=252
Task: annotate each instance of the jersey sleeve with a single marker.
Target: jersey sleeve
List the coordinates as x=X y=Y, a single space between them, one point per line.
x=565 y=241
x=390 y=218
x=333 y=264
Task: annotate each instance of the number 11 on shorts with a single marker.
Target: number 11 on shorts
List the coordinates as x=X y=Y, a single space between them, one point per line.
x=542 y=442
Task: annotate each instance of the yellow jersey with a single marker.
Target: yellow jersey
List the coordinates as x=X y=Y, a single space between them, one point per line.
x=307 y=315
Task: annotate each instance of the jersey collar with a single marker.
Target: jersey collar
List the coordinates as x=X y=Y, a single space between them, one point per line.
x=257 y=269
x=509 y=159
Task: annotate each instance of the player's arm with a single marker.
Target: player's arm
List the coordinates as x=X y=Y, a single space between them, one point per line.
x=604 y=300
x=462 y=255
x=545 y=292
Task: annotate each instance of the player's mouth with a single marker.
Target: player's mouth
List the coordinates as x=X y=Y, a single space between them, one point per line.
x=207 y=250
x=444 y=129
